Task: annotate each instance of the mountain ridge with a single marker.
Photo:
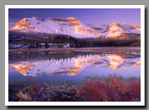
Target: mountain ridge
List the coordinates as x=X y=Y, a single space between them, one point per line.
x=75 y=28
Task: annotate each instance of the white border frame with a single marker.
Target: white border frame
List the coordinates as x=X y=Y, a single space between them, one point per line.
x=127 y=103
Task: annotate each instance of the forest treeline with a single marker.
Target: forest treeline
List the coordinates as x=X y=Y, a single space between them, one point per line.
x=61 y=40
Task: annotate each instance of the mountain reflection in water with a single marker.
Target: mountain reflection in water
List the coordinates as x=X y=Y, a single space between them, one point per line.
x=73 y=65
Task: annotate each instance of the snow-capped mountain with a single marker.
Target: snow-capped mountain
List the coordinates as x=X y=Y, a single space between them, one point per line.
x=65 y=26
x=75 y=28
x=117 y=29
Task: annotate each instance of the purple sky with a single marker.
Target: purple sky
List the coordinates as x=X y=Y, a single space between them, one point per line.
x=90 y=16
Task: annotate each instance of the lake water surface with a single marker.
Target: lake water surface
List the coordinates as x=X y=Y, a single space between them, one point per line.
x=73 y=65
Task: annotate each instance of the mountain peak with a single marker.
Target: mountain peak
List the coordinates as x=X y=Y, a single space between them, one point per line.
x=113 y=24
x=115 y=31
x=136 y=27
x=72 y=19
x=34 y=17
x=24 y=23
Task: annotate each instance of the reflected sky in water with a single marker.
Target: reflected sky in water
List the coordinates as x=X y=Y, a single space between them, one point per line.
x=72 y=65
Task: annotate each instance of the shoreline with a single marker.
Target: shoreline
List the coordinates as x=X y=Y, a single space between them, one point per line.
x=123 y=49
